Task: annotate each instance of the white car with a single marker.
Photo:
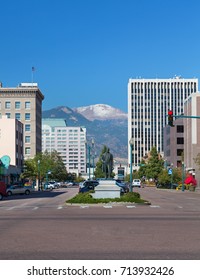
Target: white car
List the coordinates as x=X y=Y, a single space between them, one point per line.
x=49 y=186
x=136 y=183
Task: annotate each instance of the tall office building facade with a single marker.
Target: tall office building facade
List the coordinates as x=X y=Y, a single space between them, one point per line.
x=24 y=103
x=148 y=103
x=69 y=142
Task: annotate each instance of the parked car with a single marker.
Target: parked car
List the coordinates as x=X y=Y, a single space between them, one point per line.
x=87 y=185
x=167 y=186
x=54 y=184
x=2 y=190
x=49 y=186
x=136 y=183
x=124 y=187
x=18 y=189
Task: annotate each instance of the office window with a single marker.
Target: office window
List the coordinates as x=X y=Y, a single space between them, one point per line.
x=27 y=127
x=27 y=139
x=7 y=105
x=8 y=115
x=17 y=116
x=179 y=152
x=17 y=105
x=180 y=140
x=27 y=151
x=180 y=129
x=27 y=116
x=27 y=105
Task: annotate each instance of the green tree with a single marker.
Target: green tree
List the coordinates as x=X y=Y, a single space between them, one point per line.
x=142 y=169
x=44 y=162
x=165 y=178
x=154 y=165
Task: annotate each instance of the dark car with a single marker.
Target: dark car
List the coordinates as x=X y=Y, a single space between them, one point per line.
x=167 y=186
x=87 y=186
x=124 y=187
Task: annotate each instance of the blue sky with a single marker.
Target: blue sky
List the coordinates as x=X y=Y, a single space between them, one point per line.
x=84 y=51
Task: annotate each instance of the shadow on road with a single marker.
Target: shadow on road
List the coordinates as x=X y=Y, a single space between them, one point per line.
x=36 y=194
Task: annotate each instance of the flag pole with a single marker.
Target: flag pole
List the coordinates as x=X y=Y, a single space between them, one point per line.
x=33 y=69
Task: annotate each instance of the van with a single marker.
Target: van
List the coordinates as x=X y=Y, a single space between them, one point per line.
x=2 y=190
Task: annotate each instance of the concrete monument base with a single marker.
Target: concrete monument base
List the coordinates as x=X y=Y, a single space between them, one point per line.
x=106 y=189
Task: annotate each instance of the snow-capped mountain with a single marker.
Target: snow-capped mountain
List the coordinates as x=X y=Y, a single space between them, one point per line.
x=105 y=124
x=100 y=112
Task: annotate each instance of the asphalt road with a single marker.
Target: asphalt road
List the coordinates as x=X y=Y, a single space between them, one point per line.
x=42 y=226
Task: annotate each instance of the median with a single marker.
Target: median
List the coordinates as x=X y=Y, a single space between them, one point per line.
x=86 y=198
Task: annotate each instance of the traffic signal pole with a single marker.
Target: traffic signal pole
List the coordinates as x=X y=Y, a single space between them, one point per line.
x=189 y=117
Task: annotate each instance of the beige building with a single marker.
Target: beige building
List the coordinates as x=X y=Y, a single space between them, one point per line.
x=192 y=134
x=174 y=144
x=11 y=145
x=24 y=103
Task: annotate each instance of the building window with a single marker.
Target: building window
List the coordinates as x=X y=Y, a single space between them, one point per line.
x=27 y=127
x=180 y=140
x=179 y=152
x=27 y=105
x=180 y=129
x=7 y=105
x=17 y=116
x=27 y=139
x=27 y=116
x=17 y=105
x=8 y=115
x=27 y=151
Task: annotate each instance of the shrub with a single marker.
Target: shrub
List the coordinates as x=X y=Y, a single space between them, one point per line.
x=87 y=198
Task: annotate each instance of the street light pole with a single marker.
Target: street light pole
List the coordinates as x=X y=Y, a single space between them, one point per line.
x=131 y=162
x=183 y=167
x=89 y=159
x=38 y=174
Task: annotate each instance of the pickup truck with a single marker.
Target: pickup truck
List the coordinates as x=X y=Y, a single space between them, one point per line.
x=2 y=190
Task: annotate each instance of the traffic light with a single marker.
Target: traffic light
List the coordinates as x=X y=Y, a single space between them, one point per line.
x=170 y=118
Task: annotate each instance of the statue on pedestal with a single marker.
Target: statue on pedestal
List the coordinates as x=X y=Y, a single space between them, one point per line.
x=107 y=163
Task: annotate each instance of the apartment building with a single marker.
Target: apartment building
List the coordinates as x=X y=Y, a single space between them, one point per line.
x=69 y=142
x=11 y=145
x=148 y=103
x=24 y=103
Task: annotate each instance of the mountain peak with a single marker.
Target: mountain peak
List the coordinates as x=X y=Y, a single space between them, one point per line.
x=100 y=112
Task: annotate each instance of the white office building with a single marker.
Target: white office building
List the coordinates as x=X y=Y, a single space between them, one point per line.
x=69 y=142
x=148 y=103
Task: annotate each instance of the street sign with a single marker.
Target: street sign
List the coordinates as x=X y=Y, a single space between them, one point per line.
x=170 y=171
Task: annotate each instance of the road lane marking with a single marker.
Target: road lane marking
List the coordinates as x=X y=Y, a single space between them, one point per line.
x=35 y=208
x=59 y=207
x=11 y=208
x=154 y=206
x=84 y=206
x=107 y=206
x=130 y=206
